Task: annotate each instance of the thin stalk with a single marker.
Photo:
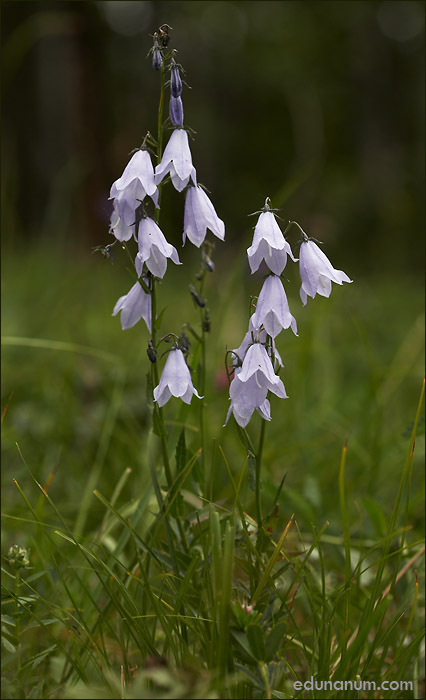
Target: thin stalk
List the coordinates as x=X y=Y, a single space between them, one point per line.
x=154 y=368
x=258 y=470
x=202 y=379
x=263 y=673
x=18 y=623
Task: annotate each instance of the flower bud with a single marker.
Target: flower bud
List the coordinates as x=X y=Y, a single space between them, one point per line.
x=176 y=111
x=175 y=81
x=198 y=299
x=206 y=322
x=150 y=351
x=157 y=59
x=184 y=343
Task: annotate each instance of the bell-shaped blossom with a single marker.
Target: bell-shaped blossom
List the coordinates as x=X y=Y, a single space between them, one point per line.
x=269 y=245
x=199 y=216
x=134 y=305
x=255 y=334
x=136 y=182
x=272 y=310
x=241 y=405
x=153 y=249
x=177 y=161
x=175 y=380
x=176 y=111
x=250 y=386
x=317 y=272
x=121 y=231
x=258 y=372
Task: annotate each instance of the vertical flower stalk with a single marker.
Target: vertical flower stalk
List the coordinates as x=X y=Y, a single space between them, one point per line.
x=130 y=219
x=253 y=372
x=154 y=367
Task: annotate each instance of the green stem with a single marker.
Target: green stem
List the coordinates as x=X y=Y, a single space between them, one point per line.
x=258 y=470
x=263 y=673
x=202 y=376
x=18 y=623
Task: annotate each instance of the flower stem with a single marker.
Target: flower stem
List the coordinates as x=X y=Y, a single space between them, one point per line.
x=154 y=368
x=202 y=379
x=258 y=469
x=17 y=622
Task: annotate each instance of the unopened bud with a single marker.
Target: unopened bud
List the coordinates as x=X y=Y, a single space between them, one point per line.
x=157 y=59
x=209 y=264
x=150 y=351
x=198 y=299
x=176 y=111
x=206 y=322
x=175 y=81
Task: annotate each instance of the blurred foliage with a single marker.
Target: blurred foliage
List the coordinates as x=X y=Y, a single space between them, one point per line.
x=318 y=105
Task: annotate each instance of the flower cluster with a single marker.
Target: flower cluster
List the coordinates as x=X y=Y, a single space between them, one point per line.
x=257 y=360
x=130 y=195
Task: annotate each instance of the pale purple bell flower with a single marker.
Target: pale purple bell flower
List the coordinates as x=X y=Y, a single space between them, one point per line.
x=269 y=245
x=250 y=386
x=242 y=404
x=177 y=161
x=256 y=334
x=134 y=305
x=136 y=182
x=258 y=373
x=176 y=111
x=118 y=228
x=317 y=272
x=261 y=335
x=153 y=249
x=199 y=216
x=272 y=309
x=175 y=380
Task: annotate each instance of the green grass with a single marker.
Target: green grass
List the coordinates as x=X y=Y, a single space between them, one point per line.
x=135 y=590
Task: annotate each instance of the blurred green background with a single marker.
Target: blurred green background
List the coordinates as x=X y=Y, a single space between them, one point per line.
x=318 y=105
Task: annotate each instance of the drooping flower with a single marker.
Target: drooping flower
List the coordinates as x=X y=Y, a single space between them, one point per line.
x=199 y=216
x=176 y=111
x=177 y=161
x=175 y=380
x=118 y=228
x=257 y=369
x=251 y=383
x=134 y=305
x=136 y=182
x=153 y=249
x=241 y=405
x=317 y=272
x=255 y=334
x=272 y=309
x=269 y=245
